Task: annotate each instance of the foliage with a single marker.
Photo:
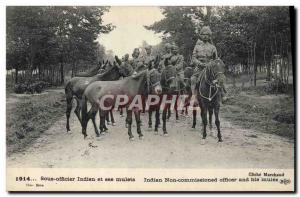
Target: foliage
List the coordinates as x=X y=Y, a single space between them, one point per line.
x=31 y=88
x=249 y=36
x=40 y=36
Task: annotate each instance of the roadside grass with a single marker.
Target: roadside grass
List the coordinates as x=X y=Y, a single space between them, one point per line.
x=253 y=108
x=28 y=116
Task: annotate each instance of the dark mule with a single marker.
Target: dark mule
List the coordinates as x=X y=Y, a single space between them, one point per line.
x=209 y=94
x=140 y=84
x=76 y=86
x=169 y=82
x=188 y=72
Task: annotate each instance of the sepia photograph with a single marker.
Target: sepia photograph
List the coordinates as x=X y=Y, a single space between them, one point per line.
x=150 y=98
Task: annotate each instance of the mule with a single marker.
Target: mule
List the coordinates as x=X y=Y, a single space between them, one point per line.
x=208 y=91
x=169 y=82
x=140 y=84
x=76 y=86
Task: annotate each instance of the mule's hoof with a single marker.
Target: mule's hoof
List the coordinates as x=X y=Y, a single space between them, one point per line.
x=155 y=132
x=102 y=133
x=97 y=135
x=166 y=134
x=113 y=124
x=150 y=127
x=84 y=137
x=108 y=123
x=220 y=140
x=141 y=137
x=131 y=138
x=204 y=137
x=193 y=127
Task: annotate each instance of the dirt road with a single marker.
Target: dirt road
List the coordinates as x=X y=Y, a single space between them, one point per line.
x=183 y=148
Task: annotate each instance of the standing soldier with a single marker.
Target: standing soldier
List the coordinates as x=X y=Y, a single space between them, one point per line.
x=203 y=52
x=149 y=59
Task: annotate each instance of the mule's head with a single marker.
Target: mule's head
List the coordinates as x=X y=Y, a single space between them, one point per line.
x=188 y=72
x=170 y=79
x=218 y=69
x=153 y=81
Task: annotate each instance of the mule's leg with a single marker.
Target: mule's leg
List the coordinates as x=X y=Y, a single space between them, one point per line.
x=93 y=117
x=112 y=117
x=210 y=114
x=204 y=120
x=105 y=115
x=68 y=112
x=77 y=109
x=194 y=118
x=150 y=118
x=107 y=119
x=217 y=122
x=121 y=111
x=157 y=120
x=186 y=111
x=164 y=118
x=129 y=123
x=102 y=116
x=176 y=110
x=169 y=112
x=85 y=117
x=137 y=115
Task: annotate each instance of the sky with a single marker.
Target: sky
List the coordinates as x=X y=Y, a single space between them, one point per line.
x=129 y=32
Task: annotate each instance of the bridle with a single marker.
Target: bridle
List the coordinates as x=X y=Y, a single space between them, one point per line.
x=212 y=84
x=151 y=85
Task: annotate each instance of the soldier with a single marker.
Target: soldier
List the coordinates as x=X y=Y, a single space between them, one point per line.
x=177 y=60
x=137 y=62
x=149 y=59
x=126 y=66
x=203 y=52
x=167 y=55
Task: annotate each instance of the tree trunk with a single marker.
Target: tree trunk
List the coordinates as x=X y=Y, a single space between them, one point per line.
x=16 y=78
x=254 y=63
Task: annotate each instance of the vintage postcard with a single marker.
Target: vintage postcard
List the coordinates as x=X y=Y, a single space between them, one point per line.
x=172 y=98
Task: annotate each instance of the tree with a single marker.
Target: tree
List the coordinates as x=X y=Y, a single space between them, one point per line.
x=47 y=38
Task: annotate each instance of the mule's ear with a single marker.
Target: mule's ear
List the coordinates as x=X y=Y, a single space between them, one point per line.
x=118 y=60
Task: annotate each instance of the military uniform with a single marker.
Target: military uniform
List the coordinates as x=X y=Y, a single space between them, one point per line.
x=126 y=67
x=177 y=60
x=203 y=53
x=137 y=62
x=165 y=58
x=149 y=59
